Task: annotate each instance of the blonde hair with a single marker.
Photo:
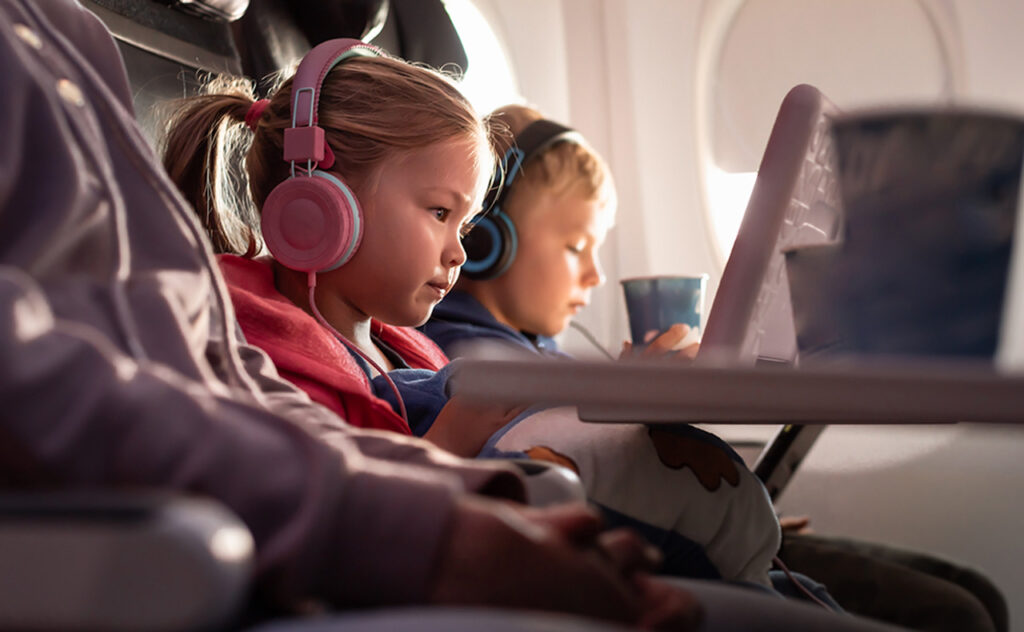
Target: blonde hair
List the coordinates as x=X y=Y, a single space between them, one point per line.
x=561 y=168
x=372 y=109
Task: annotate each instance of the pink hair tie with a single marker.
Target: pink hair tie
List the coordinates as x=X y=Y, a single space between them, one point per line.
x=252 y=117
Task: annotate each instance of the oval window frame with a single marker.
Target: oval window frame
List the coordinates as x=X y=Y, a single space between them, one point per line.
x=717 y=19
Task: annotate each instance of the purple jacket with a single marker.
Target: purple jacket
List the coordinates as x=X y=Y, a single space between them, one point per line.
x=120 y=361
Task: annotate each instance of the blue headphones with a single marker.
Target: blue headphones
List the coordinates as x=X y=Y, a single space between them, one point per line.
x=492 y=243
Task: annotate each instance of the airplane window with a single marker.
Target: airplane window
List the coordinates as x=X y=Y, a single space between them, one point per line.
x=857 y=52
x=489 y=82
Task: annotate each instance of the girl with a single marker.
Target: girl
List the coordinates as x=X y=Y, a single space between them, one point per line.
x=401 y=142
x=405 y=147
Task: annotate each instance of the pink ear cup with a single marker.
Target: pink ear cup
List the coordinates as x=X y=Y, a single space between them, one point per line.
x=312 y=224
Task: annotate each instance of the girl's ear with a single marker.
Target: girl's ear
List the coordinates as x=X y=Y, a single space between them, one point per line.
x=312 y=223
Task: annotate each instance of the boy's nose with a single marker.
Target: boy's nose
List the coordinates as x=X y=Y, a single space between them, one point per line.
x=593 y=275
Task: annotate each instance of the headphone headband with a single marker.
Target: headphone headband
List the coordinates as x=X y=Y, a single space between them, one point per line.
x=309 y=77
x=304 y=140
x=532 y=141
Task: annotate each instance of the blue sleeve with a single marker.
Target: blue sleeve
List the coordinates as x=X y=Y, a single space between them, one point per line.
x=424 y=392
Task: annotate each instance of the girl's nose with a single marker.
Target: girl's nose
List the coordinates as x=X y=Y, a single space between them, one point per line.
x=455 y=254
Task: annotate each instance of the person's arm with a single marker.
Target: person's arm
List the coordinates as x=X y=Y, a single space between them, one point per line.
x=85 y=32
x=80 y=414
x=463 y=427
x=329 y=523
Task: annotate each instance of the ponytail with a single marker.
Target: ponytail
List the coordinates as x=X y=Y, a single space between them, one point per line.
x=202 y=133
x=372 y=109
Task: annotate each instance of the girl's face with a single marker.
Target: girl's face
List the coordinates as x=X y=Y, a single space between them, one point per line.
x=556 y=264
x=415 y=208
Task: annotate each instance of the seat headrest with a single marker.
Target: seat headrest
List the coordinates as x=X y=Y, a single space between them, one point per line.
x=223 y=10
x=273 y=34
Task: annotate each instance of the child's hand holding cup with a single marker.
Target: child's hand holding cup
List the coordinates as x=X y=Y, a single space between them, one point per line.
x=665 y=314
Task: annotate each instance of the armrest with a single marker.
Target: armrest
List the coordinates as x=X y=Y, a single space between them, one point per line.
x=549 y=483
x=119 y=561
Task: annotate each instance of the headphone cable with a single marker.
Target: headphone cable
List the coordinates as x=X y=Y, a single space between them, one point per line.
x=590 y=337
x=799 y=585
x=351 y=346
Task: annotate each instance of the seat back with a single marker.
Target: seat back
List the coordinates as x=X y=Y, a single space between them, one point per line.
x=795 y=202
x=166 y=48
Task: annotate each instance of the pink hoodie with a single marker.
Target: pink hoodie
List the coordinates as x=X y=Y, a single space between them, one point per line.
x=309 y=356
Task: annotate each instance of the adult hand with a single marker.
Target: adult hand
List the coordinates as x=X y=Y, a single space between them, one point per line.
x=665 y=345
x=663 y=606
x=582 y=527
x=553 y=559
x=463 y=427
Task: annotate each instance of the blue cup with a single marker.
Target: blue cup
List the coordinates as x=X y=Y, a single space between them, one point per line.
x=656 y=303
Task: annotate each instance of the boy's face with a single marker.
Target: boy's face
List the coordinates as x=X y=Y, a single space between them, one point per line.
x=556 y=264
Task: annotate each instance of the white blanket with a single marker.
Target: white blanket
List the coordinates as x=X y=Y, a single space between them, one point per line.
x=677 y=479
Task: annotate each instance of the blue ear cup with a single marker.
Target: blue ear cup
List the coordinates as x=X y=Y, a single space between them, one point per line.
x=492 y=243
x=490 y=246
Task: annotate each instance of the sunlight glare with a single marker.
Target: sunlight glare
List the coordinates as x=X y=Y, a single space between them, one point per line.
x=489 y=82
x=728 y=194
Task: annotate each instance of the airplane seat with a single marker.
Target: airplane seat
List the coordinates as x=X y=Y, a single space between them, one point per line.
x=758 y=316
x=274 y=34
x=165 y=47
x=105 y=560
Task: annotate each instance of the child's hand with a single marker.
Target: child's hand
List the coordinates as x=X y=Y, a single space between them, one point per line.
x=670 y=344
x=795 y=524
x=462 y=427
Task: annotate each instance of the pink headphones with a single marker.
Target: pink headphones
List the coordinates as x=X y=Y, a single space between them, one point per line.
x=312 y=221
